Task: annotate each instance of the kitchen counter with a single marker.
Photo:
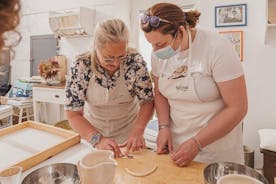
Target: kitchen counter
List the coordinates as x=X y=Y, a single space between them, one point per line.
x=166 y=172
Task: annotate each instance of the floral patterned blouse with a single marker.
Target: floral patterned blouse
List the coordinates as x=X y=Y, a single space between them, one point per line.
x=137 y=79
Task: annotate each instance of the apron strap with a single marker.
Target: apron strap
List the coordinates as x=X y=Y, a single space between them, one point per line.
x=163 y=68
x=121 y=71
x=189 y=52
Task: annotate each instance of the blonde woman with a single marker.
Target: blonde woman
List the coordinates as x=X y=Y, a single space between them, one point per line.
x=109 y=92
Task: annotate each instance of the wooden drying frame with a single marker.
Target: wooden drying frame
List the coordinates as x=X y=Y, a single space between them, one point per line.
x=71 y=138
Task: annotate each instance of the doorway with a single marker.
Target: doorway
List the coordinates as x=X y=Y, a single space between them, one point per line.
x=42 y=48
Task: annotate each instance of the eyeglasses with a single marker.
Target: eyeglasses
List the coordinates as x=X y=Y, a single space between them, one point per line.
x=111 y=60
x=154 y=21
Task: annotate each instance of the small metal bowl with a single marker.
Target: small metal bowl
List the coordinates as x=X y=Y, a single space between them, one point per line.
x=216 y=170
x=60 y=173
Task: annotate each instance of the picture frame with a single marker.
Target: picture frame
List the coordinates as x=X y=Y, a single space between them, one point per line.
x=236 y=38
x=231 y=15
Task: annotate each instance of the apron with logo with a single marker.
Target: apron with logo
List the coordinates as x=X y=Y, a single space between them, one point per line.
x=111 y=111
x=189 y=113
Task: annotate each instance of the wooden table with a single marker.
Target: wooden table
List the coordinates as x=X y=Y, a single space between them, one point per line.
x=166 y=172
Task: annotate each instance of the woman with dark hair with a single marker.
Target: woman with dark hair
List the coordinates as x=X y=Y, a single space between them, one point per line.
x=200 y=91
x=9 y=19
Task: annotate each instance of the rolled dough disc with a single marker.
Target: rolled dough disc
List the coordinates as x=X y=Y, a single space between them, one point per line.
x=140 y=167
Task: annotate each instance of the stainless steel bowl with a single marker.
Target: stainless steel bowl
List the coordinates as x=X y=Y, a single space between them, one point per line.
x=61 y=173
x=216 y=170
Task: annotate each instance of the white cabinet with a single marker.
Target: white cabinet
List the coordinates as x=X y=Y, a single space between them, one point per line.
x=48 y=94
x=270 y=35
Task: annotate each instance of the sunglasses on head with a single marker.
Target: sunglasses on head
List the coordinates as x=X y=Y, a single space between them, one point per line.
x=153 y=21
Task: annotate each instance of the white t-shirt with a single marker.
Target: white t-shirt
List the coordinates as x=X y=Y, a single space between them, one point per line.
x=216 y=55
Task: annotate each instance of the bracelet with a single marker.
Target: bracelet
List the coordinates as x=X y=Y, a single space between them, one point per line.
x=199 y=146
x=161 y=126
x=95 y=139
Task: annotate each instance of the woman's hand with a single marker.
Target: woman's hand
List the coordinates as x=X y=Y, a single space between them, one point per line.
x=185 y=153
x=109 y=144
x=135 y=141
x=164 y=141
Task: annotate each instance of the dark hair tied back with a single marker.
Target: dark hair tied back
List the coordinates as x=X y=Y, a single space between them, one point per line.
x=172 y=13
x=192 y=18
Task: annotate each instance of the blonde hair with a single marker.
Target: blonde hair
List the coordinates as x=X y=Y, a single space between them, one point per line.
x=108 y=31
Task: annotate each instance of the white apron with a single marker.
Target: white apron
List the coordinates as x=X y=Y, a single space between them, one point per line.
x=112 y=112
x=189 y=113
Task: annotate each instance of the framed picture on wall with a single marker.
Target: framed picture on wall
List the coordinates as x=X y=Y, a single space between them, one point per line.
x=236 y=38
x=231 y=15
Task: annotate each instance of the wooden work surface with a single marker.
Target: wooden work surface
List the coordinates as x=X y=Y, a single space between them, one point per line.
x=166 y=172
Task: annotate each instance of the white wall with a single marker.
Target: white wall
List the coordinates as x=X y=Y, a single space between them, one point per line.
x=34 y=21
x=259 y=63
x=259 y=66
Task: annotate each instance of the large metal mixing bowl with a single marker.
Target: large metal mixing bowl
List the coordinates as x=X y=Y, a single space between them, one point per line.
x=216 y=170
x=61 y=173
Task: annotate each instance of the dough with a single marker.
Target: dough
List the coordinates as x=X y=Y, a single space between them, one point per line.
x=138 y=166
x=134 y=173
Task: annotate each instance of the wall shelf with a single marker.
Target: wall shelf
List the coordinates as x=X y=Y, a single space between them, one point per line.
x=73 y=23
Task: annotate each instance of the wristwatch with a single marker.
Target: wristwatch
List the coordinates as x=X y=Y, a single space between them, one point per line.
x=95 y=139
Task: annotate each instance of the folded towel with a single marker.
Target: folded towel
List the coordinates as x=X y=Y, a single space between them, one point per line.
x=151 y=133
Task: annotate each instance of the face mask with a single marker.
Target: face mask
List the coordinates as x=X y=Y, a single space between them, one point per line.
x=166 y=52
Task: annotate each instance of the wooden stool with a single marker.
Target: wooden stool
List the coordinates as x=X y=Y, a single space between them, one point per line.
x=23 y=108
x=27 y=109
x=6 y=111
x=269 y=167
